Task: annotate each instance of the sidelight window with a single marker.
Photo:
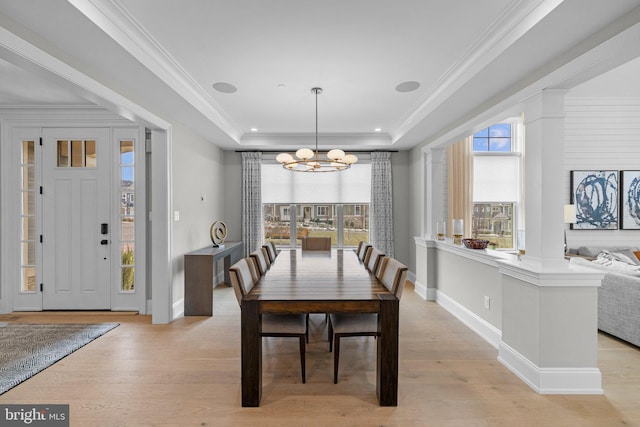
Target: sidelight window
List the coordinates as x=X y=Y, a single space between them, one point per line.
x=28 y=217
x=127 y=218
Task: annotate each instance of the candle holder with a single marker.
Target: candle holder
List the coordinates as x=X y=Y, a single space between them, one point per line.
x=520 y=243
x=441 y=230
x=457 y=227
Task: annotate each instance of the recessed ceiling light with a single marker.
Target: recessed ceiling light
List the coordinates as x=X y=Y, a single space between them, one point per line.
x=377 y=130
x=407 y=86
x=254 y=129
x=225 y=87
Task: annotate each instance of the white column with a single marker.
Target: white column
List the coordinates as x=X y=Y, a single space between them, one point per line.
x=435 y=202
x=549 y=308
x=161 y=228
x=544 y=176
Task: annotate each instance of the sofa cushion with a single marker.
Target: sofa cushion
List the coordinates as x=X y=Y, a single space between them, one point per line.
x=615 y=266
x=593 y=251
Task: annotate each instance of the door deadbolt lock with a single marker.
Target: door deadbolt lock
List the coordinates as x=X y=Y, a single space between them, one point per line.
x=104 y=242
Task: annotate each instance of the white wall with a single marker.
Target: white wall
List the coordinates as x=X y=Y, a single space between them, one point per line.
x=601 y=133
x=198 y=171
x=415 y=224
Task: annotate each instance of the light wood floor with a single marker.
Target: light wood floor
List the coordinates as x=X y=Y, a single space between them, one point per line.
x=187 y=373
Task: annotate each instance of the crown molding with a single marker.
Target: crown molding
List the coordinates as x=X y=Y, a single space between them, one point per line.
x=119 y=24
x=516 y=20
x=342 y=140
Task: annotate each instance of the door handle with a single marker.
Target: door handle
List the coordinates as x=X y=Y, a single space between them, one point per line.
x=104 y=242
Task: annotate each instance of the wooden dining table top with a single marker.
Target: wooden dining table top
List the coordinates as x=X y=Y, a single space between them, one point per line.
x=336 y=275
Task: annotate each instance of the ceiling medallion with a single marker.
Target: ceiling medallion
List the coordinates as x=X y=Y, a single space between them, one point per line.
x=310 y=161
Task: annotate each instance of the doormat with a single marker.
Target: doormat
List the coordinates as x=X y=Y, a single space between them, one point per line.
x=30 y=348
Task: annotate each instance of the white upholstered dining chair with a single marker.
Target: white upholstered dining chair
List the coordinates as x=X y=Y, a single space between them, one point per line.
x=261 y=259
x=372 y=259
x=362 y=251
x=393 y=276
x=271 y=251
x=243 y=277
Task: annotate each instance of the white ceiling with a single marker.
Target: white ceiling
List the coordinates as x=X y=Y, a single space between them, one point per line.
x=165 y=55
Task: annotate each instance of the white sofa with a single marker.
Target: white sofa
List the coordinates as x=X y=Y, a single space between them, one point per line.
x=619 y=295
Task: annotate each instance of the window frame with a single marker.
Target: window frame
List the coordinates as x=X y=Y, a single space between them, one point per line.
x=516 y=150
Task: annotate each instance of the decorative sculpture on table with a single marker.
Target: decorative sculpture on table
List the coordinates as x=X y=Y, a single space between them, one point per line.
x=218 y=233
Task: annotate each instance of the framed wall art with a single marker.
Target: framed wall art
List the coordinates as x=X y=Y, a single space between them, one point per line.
x=595 y=195
x=630 y=200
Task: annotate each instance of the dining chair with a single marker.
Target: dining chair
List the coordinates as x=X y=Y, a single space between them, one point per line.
x=316 y=244
x=243 y=277
x=363 y=251
x=273 y=247
x=372 y=259
x=393 y=276
x=271 y=251
x=261 y=260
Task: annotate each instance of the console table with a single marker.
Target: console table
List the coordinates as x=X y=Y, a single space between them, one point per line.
x=198 y=276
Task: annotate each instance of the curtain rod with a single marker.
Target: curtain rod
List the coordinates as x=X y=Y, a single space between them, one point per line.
x=350 y=151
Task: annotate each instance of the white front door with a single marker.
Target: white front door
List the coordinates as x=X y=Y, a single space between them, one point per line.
x=76 y=229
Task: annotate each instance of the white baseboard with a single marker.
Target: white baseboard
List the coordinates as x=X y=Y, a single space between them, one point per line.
x=421 y=290
x=178 y=309
x=487 y=331
x=149 y=307
x=551 y=380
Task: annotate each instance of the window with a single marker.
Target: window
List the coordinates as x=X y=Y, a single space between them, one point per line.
x=76 y=154
x=28 y=216
x=277 y=223
x=496 y=184
x=127 y=218
x=494 y=138
x=297 y=205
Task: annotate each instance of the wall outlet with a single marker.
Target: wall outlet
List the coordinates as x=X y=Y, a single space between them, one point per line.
x=487 y=302
x=176 y=216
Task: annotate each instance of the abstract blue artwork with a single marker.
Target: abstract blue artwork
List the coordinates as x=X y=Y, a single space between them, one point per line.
x=595 y=195
x=630 y=200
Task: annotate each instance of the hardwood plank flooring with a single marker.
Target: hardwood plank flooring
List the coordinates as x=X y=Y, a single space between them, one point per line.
x=187 y=373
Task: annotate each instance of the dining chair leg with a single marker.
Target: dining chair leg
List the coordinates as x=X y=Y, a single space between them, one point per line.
x=330 y=335
x=336 y=358
x=302 y=359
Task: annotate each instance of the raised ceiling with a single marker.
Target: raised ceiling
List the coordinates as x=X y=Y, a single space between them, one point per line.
x=166 y=56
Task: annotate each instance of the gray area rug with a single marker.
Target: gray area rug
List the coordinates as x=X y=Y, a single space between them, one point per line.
x=26 y=349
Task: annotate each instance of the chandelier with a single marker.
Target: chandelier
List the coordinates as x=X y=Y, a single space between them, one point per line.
x=310 y=161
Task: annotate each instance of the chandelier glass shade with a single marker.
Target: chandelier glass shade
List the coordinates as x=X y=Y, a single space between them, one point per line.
x=307 y=160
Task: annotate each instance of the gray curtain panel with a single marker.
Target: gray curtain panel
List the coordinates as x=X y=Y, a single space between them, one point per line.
x=381 y=233
x=251 y=202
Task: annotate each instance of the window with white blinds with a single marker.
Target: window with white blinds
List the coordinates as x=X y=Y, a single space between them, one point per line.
x=282 y=186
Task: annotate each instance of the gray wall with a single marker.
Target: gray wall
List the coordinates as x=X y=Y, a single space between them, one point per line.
x=403 y=241
x=198 y=171
x=232 y=199
x=401 y=185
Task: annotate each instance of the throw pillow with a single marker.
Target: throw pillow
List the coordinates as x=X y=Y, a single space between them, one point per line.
x=637 y=254
x=626 y=256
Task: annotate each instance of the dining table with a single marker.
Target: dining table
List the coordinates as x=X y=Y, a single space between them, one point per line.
x=334 y=281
